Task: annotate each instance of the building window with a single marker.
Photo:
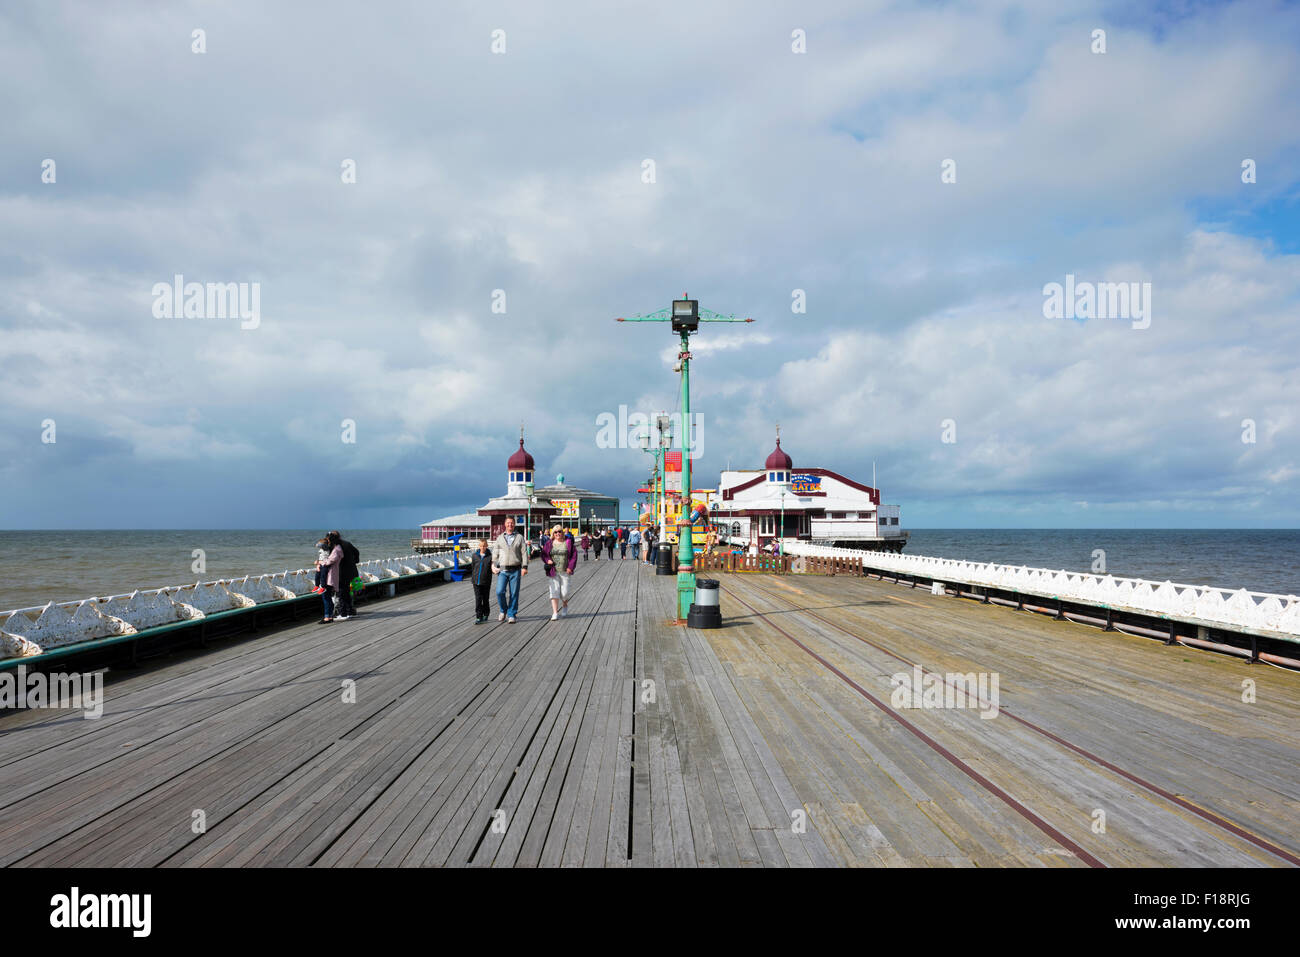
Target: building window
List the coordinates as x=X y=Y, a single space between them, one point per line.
x=766 y=525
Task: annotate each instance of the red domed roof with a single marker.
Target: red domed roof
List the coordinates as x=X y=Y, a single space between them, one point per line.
x=778 y=459
x=522 y=460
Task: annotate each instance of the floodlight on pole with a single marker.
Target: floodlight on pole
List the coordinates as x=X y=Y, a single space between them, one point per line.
x=686 y=315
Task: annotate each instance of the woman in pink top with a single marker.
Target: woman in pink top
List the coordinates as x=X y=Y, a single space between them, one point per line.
x=560 y=558
x=330 y=582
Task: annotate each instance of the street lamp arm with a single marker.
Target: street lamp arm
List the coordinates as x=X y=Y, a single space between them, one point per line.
x=657 y=318
x=708 y=315
x=663 y=315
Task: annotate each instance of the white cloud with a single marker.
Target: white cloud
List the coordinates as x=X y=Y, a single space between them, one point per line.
x=775 y=172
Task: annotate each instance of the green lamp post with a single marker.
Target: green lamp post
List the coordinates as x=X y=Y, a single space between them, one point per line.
x=685 y=315
x=528 y=522
x=663 y=428
x=780 y=541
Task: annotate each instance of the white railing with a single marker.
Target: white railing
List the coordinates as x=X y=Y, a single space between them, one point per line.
x=1203 y=604
x=29 y=631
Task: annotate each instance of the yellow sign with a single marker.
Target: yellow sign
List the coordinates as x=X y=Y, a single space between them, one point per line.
x=568 y=507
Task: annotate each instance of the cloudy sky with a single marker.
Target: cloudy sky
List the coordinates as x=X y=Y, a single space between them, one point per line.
x=526 y=171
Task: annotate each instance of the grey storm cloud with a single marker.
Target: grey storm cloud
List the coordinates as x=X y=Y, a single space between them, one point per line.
x=523 y=172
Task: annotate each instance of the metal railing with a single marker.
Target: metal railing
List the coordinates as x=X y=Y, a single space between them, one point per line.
x=25 y=632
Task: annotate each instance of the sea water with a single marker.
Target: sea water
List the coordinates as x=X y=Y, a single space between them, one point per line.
x=41 y=566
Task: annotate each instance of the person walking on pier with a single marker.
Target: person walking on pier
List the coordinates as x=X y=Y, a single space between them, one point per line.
x=561 y=558
x=650 y=546
x=635 y=541
x=609 y=543
x=510 y=563
x=480 y=575
x=597 y=542
x=586 y=546
x=622 y=543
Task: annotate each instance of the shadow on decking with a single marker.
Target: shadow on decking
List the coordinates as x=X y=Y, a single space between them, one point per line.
x=403 y=613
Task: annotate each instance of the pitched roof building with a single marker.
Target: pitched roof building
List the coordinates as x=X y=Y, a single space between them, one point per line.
x=537 y=508
x=815 y=504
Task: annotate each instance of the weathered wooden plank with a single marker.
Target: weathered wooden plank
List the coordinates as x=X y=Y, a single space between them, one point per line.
x=524 y=801
x=545 y=720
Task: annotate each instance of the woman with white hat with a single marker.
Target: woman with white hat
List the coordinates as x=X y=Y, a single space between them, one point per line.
x=561 y=558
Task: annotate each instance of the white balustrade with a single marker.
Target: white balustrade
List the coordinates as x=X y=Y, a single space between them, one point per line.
x=300 y=582
x=29 y=631
x=12 y=646
x=1251 y=611
x=143 y=610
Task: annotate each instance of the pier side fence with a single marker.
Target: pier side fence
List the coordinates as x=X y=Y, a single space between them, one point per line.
x=1193 y=615
x=152 y=621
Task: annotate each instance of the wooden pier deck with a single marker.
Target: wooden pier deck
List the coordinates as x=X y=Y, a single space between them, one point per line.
x=615 y=738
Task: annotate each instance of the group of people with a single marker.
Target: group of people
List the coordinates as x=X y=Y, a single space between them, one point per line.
x=336 y=567
x=508 y=557
x=622 y=539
